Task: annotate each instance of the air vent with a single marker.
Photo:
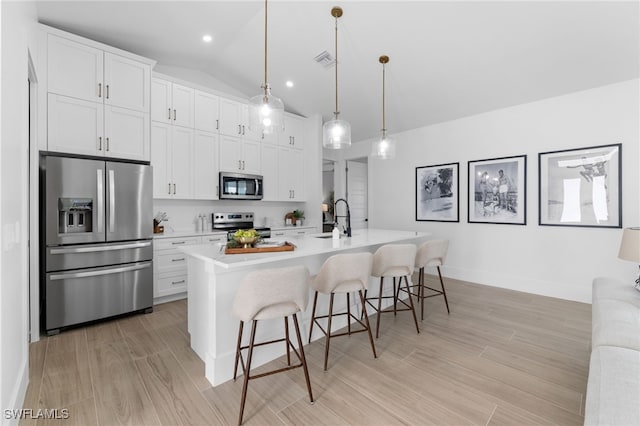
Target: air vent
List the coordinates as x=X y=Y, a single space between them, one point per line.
x=325 y=59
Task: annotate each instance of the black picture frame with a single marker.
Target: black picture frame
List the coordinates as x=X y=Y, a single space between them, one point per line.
x=437 y=193
x=581 y=187
x=497 y=191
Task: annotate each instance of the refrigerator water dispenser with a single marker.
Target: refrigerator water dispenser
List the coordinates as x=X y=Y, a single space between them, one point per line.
x=74 y=215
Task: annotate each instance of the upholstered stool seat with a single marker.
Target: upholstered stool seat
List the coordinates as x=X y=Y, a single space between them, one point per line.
x=395 y=261
x=269 y=294
x=431 y=253
x=342 y=273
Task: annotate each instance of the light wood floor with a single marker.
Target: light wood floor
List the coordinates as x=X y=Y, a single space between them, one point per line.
x=500 y=358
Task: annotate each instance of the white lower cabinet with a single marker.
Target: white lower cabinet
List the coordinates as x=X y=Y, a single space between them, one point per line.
x=170 y=264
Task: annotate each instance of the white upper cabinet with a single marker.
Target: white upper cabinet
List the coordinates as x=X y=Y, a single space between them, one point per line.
x=172 y=103
x=239 y=155
x=98 y=101
x=172 y=160
x=206 y=112
x=293 y=135
x=231 y=117
x=75 y=69
x=269 y=159
x=84 y=72
x=205 y=166
x=126 y=83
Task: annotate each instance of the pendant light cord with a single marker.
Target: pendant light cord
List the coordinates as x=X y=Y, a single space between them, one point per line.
x=266 y=85
x=384 y=126
x=336 y=112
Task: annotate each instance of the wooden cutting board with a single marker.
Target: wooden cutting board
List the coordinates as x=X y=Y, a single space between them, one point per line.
x=241 y=250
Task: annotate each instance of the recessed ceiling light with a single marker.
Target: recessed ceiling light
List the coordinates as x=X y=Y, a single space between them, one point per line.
x=207 y=38
x=289 y=83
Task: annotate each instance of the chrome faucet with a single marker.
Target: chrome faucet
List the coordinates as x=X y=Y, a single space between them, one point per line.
x=348 y=216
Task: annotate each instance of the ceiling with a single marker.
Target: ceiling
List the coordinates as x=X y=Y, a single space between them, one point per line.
x=448 y=59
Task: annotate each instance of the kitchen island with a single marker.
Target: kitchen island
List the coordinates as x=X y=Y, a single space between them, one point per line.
x=214 y=278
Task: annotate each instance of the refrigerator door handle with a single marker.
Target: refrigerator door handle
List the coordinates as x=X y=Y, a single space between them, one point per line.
x=57 y=277
x=99 y=199
x=112 y=201
x=85 y=249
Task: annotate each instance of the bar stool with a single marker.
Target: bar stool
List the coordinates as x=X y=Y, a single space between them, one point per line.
x=268 y=294
x=430 y=253
x=396 y=261
x=342 y=273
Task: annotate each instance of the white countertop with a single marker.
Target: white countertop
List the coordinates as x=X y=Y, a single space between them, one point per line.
x=307 y=245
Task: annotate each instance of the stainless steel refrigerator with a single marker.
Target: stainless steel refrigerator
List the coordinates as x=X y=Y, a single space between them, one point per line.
x=96 y=239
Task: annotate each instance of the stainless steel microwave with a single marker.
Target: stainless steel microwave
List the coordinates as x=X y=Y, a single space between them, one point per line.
x=240 y=186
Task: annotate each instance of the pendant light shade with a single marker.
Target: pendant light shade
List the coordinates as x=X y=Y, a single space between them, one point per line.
x=336 y=133
x=385 y=147
x=266 y=112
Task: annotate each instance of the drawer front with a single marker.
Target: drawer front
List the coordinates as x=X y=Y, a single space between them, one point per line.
x=215 y=239
x=166 y=285
x=173 y=243
x=170 y=261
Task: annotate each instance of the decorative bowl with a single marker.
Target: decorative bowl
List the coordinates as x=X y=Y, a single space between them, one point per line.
x=246 y=241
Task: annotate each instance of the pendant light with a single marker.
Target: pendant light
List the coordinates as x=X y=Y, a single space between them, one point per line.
x=266 y=112
x=385 y=147
x=336 y=133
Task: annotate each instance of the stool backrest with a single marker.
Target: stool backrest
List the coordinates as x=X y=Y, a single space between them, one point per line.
x=270 y=287
x=432 y=253
x=349 y=269
x=394 y=260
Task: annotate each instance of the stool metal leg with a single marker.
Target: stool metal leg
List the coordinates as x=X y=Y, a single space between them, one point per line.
x=421 y=292
x=366 y=320
x=444 y=293
x=379 y=308
x=395 y=297
x=313 y=315
x=413 y=311
x=327 y=338
x=286 y=339
x=235 y=366
x=302 y=357
x=247 y=369
x=348 y=315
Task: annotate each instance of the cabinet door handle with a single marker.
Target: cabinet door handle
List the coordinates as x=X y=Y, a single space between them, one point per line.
x=107 y=87
x=217 y=124
x=239 y=165
x=243 y=129
x=293 y=193
x=99 y=143
x=174 y=115
x=293 y=140
x=107 y=144
x=242 y=164
x=99 y=90
x=174 y=189
x=175 y=243
x=169 y=114
x=239 y=129
x=169 y=189
x=177 y=282
x=182 y=259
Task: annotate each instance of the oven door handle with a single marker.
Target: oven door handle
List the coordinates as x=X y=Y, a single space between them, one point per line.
x=100 y=248
x=73 y=275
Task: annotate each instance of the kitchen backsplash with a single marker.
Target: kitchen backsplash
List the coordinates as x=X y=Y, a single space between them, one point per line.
x=182 y=215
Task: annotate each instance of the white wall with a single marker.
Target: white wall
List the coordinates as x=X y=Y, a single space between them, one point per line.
x=554 y=261
x=18 y=19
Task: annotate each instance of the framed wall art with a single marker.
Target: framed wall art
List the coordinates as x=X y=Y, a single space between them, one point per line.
x=437 y=194
x=498 y=191
x=581 y=187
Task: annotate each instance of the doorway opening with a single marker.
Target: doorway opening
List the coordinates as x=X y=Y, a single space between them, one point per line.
x=357 y=184
x=328 y=194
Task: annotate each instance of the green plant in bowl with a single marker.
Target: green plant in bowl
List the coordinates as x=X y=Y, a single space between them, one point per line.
x=246 y=237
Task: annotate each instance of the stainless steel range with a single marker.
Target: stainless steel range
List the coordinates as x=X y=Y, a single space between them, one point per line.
x=231 y=222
